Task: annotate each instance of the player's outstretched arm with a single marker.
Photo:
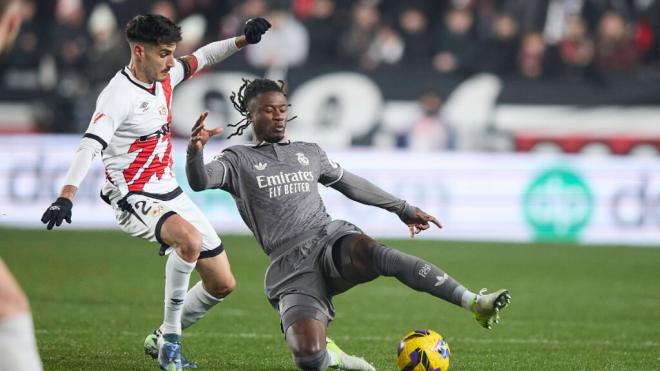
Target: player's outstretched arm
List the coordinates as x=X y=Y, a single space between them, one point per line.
x=218 y=51
x=198 y=174
x=60 y=210
x=363 y=191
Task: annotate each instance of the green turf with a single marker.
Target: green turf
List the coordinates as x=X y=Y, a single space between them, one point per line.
x=96 y=295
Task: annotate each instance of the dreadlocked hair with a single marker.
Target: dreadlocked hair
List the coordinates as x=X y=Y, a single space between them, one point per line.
x=248 y=90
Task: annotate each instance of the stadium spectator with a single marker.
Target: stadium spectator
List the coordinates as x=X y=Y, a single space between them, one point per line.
x=313 y=258
x=354 y=41
x=536 y=59
x=285 y=46
x=615 y=50
x=386 y=49
x=322 y=26
x=500 y=47
x=107 y=50
x=165 y=8
x=430 y=131
x=576 y=48
x=414 y=28
x=456 y=48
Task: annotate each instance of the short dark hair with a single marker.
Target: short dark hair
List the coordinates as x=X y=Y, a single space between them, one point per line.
x=152 y=29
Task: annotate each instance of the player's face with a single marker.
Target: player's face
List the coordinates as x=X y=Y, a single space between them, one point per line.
x=158 y=59
x=269 y=116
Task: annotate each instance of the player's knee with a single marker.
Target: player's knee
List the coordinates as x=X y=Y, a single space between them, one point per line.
x=312 y=361
x=191 y=245
x=363 y=252
x=222 y=288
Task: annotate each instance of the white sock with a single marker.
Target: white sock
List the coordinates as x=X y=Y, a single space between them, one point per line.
x=334 y=361
x=18 y=348
x=197 y=303
x=177 y=277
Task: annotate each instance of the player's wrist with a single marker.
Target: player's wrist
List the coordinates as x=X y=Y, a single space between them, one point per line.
x=240 y=41
x=64 y=201
x=193 y=149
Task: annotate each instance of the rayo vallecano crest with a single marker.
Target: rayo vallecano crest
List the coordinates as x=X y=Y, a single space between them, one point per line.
x=162 y=111
x=302 y=159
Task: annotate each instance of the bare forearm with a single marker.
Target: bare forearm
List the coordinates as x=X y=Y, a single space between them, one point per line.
x=241 y=41
x=69 y=191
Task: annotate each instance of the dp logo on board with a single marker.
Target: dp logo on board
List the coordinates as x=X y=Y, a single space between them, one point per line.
x=558 y=204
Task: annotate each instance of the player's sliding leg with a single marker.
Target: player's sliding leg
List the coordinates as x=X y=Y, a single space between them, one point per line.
x=186 y=243
x=313 y=351
x=359 y=258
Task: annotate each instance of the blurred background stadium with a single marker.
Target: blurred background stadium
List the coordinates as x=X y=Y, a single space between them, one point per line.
x=511 y=120
x=530 y=126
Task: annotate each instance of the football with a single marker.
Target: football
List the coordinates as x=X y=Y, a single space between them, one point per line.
x=423 y=350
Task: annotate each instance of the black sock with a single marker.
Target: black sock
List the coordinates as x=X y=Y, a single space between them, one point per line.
x=418 y=274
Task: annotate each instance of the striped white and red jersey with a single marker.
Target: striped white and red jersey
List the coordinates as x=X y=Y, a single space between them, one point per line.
x=132 y=121
x=131 y=127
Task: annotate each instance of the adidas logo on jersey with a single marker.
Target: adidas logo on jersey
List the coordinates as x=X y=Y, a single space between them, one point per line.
x=260 y=166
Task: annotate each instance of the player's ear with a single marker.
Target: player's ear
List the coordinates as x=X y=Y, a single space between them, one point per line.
x=138 y=50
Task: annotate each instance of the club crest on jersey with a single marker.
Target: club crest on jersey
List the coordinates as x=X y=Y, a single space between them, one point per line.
x=162 y=111
x=260 y=166
x=302 y=159
x=156 y=210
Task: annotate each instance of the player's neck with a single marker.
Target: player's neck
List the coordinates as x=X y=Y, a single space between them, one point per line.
x=138 y=73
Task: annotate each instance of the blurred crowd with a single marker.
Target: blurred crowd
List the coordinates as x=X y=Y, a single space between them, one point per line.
x=68 y=49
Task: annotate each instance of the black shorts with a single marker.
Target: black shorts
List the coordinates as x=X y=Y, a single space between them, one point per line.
x=301 y=282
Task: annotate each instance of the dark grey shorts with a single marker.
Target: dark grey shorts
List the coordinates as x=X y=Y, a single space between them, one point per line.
x=301 y=282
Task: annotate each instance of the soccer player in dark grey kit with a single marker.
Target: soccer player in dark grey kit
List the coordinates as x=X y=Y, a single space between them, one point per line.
x=274 y=183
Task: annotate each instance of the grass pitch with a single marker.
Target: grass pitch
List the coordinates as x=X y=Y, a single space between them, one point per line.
x=96 y=295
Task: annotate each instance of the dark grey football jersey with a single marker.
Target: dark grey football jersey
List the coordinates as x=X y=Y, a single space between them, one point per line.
x=275 y=187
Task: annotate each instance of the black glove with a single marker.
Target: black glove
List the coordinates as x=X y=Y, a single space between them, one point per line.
x=58 y=211
x=254 y=28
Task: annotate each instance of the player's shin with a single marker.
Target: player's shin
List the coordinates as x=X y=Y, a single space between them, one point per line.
x=177 y=277
x=420 y=275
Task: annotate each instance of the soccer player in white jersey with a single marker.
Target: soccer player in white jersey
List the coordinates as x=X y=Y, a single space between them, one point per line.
x=131 y=128
x=312 y=257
